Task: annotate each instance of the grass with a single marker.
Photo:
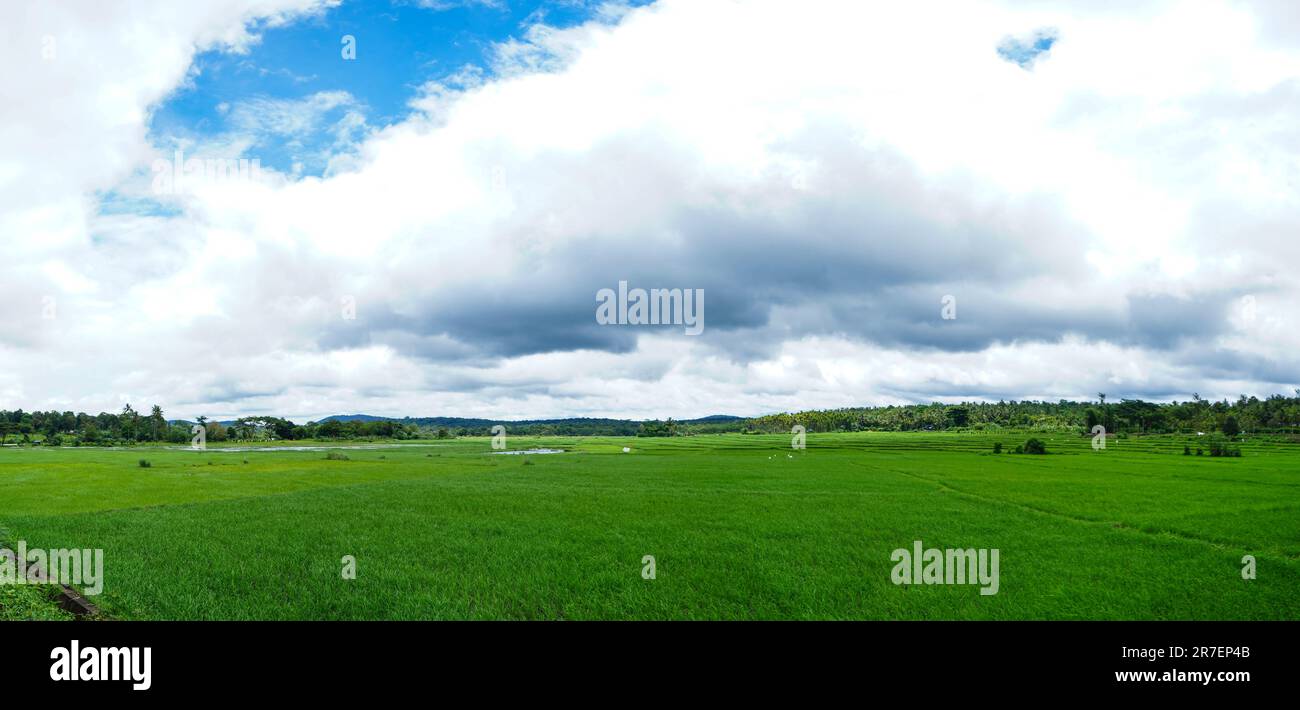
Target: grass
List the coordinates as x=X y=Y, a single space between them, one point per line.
x=741 y=527
x=24 y=603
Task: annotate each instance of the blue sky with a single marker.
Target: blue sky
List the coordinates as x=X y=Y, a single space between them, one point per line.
x=1024 y=50
x=400 y=45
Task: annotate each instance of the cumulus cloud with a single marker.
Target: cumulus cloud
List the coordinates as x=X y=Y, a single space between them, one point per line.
x=828 y=173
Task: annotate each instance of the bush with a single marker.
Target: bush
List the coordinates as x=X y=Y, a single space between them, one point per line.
x=1220 y=448
x=997 y=448
x=144 y=463
x=336 y=456
x=1034 y=446
x=1187 y=450
x=1199 y=452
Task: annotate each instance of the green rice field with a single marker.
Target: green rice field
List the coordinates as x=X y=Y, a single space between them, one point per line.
x=739 y=526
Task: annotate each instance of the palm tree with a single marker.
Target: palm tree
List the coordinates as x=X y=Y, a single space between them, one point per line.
x=157 y=423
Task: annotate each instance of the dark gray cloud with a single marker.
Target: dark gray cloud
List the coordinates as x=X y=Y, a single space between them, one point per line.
x=864 y=256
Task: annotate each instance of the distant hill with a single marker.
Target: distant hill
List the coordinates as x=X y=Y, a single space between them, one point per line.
x=358 y=418
x=186 y=422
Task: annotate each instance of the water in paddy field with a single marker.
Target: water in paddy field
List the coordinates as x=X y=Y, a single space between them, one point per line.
x=530 y=451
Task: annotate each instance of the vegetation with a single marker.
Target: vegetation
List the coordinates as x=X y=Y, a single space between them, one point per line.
x=658 y=428
x=740 y=528
x=29 y=603
x=1220 y=447
x=1034 y=446
x=130 y=427
x=1275 y=414
x=1230 y=427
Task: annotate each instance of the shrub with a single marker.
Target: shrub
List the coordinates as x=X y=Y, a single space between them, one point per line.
x=1187 y=450
x=1034 y=446
x=1230 y=426
x=1220 y=448
x=1199 y=452
x=336 y=456
x=144 y=463
x=997 y=448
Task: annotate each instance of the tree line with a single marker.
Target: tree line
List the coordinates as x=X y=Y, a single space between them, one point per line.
x=56 y=428
x=1275 y=414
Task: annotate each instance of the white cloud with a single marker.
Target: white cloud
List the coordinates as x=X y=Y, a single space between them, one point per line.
x=828 y=170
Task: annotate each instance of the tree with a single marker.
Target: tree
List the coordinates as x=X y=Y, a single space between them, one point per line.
x=1230 y=426
x=1091 y=419
x=216 y=432
x=658 y=428
x=128 y=422
x=958 y=416
x=157 y=424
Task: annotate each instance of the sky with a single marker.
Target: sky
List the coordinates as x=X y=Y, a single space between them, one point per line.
x=882 y=203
